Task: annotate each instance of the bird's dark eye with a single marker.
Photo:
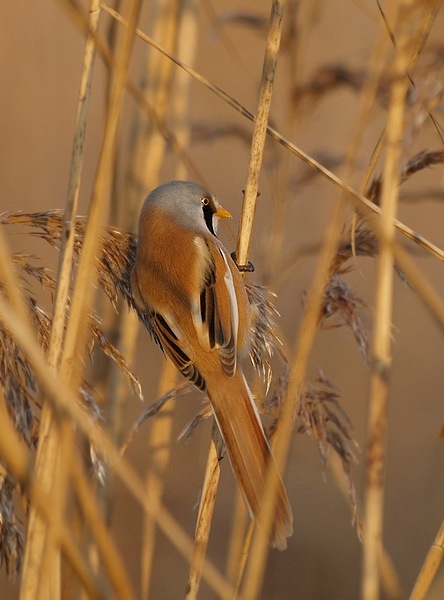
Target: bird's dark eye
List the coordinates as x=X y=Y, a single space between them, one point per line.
x=205 y=201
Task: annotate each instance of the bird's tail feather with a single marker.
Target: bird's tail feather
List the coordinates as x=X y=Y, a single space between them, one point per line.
x=249 y=453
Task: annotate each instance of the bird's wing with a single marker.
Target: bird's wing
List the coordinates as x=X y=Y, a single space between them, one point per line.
x=172 y=345
x=215 y=310
x=167 y=335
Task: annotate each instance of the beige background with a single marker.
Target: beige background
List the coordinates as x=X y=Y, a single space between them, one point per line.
x=40 y=62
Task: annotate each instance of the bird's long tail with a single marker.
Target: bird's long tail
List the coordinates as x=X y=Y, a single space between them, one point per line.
x=249 y=452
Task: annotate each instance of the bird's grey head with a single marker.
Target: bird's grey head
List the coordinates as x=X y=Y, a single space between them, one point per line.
x=189 y=204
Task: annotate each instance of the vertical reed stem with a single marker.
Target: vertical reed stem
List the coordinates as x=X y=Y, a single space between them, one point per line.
x=381 y=362
x=260 y=130
x=33 y=577
x=205 y=516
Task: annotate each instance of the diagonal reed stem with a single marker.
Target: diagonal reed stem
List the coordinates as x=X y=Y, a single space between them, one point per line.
x=430 y=567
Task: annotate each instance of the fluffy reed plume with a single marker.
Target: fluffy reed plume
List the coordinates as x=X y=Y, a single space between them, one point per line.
x=342 y=306
x=11 y=531
x=418 y=162
x=321 y=416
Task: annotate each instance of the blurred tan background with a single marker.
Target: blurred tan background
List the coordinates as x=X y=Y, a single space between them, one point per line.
x=40 y=64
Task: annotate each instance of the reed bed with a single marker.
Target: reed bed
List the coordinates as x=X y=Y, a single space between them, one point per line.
x=92 y=501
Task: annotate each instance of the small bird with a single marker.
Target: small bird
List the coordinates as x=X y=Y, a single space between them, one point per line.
x=187 y=283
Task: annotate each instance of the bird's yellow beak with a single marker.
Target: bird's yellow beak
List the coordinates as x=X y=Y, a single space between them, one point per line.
x=222 y=213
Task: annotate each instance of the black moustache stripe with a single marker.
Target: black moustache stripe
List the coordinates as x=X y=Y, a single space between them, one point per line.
x=208 y=212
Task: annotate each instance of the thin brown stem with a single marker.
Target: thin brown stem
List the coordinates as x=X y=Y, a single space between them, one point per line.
x=205 y=516
x=46 y=462
x=260 y=130
x=381 y=363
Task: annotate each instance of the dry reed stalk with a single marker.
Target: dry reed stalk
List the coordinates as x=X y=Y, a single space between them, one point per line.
x=291 y=53
x=11 y=294
x=64 y=402
x=390 y=582
x=33 y=577
x=430 y=567
x=376 y=154
x=381 y=362
x=260 y=130
x=68 y=237
x=367 y=98
x=428 y=17
x=48 y=576
x=205 y=515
